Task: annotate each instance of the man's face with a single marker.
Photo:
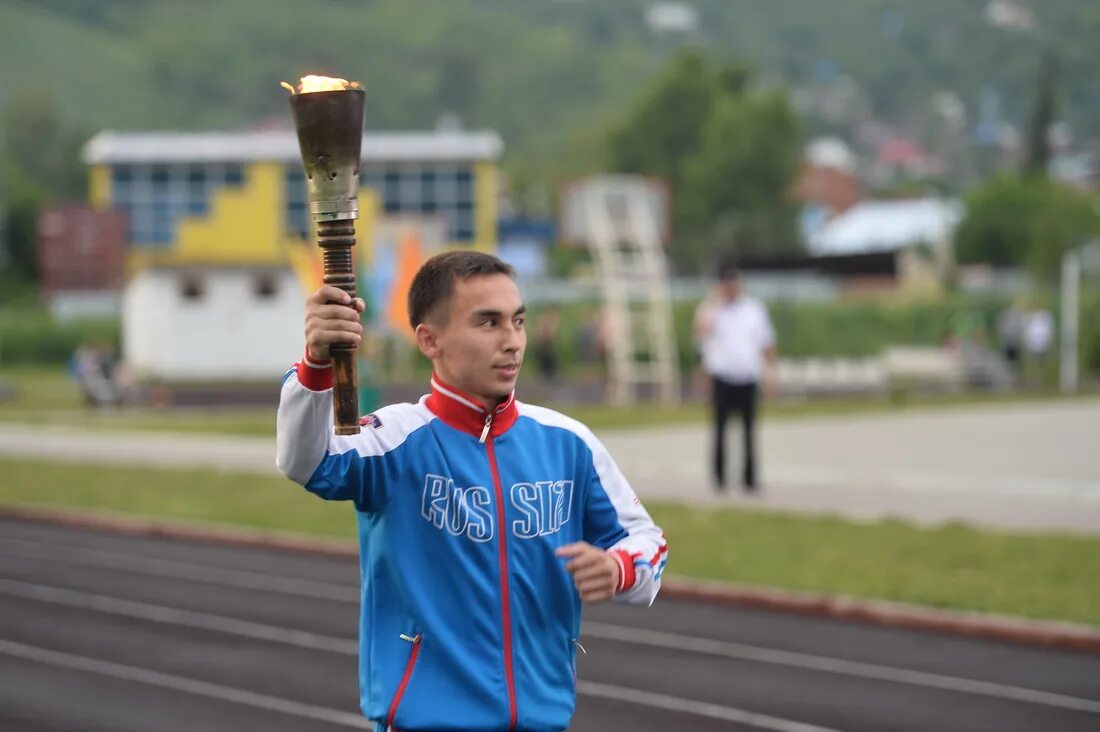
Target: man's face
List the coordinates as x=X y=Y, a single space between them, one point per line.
x=476 y=341
x=730 y=289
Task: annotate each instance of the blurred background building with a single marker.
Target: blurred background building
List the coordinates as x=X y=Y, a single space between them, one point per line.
x=218 y=254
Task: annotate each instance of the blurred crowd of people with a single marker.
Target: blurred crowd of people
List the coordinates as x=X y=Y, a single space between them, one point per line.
x=1026 y=337
x=588 y=347
x=103 y=380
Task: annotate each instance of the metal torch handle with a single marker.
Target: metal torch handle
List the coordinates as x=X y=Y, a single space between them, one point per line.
x=336 y=239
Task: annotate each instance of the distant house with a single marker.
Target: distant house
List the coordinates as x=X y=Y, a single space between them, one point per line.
x=672 y=17
x=828 y=184
x=912 y=238
x=904 y=157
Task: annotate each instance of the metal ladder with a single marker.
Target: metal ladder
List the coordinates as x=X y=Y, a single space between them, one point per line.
x=625 y=241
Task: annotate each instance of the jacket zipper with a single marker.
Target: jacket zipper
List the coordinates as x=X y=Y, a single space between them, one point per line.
x=505 y=602
x=415 y=640
x=574 y=646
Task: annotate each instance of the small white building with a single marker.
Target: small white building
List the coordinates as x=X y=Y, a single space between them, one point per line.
x=878 y=226
x=919 y=233
x=212 y=323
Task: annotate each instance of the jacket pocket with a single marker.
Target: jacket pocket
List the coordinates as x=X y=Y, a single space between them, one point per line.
x=415 y=641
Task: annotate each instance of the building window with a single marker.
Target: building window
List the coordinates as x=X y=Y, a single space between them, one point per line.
x=266 y=287
x=371 y=177
x=296 y=196
x=435 y=189
x=192 y=289
x=391 y=191
x=161 y=176
x=155 y=197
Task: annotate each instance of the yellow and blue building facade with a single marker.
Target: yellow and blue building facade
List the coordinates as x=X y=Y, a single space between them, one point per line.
x=240 y=198
x=216 y=218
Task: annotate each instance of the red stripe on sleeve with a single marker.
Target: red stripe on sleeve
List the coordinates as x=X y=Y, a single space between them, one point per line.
x=626 y=569
x=313 y=375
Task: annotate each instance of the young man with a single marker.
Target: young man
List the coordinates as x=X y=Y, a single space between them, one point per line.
x=483 y=522
x=738 y=348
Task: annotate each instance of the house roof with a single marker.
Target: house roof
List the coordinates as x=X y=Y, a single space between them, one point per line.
x=111 y=147
x=876 y=226
x=831 y=152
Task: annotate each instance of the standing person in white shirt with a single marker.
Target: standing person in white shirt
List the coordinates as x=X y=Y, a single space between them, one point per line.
x=737 y=344
x=1038 y=338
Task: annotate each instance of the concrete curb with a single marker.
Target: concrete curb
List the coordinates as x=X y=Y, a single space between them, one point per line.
x=1072 y=636
x=209 y=533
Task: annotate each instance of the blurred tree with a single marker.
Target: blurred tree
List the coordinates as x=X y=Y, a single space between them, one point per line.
x=39 y=161
x=737 y=183
x=1043 y=116
x=728 y=154
x=1069 y=218
x=663 y=129
x=1025 y=222
x=999 y=227
x=22 y=199
x=42 y=144
x=564 y=260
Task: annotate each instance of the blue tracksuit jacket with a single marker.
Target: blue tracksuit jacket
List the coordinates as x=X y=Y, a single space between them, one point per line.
x=468 y=619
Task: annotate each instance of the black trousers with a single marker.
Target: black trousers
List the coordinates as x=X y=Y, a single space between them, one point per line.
x=742 y=398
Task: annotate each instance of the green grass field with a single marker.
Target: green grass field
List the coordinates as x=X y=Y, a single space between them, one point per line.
x=1040 y=576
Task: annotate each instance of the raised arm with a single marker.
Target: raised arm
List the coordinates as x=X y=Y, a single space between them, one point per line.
x=308 y=451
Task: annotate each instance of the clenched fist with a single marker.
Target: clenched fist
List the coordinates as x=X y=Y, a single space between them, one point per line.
x=332 y=317
x=595 y=572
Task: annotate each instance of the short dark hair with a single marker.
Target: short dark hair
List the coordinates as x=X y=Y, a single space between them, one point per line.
x=435 y=281
x=727 y=269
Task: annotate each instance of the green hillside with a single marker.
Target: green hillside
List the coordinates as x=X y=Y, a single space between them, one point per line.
x=543 y=72
x=88 y=71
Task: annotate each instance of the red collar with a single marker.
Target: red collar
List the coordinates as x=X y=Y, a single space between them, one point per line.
x=463 y=412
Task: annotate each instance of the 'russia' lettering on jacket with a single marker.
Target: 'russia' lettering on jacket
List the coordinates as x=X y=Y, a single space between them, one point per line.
x=545 y=505
x=468 y=619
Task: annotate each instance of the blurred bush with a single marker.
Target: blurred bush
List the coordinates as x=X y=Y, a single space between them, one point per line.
x=31 y=336
x=854 y=329
x=858 y=328
x=1089 y=337
x=1014 y=221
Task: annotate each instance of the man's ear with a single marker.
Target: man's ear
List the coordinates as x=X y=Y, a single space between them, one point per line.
x=427 y=340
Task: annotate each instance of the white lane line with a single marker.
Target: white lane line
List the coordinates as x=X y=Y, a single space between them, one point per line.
x=240 y=578
x=624 y=634
x=701 y=709
x=289 y=636
x=744 y=652
x=174 y=616
x=184 y=684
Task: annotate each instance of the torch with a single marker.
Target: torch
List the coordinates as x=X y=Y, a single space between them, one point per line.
x=328 y=115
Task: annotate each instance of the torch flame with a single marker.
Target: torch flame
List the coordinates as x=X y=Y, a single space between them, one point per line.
x=312 y=83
